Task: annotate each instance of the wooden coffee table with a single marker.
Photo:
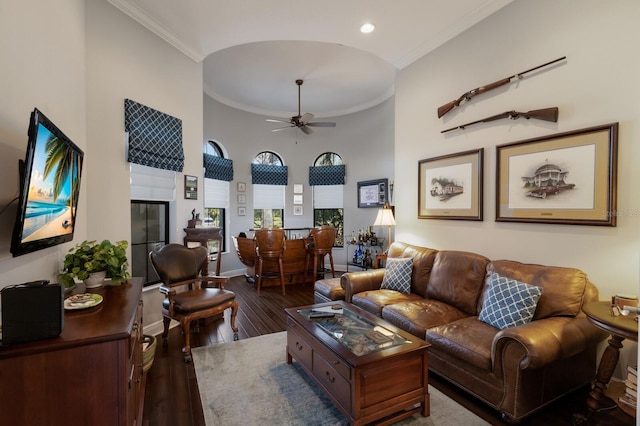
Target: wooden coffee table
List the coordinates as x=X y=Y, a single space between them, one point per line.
x=370 y=369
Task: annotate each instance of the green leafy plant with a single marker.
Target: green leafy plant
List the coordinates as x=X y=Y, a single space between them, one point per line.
x=89 y=256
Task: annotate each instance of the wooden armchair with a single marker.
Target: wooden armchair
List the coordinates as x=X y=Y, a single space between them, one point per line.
x=188 y=295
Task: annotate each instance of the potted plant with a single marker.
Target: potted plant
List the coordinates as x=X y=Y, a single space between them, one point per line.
x=90 y=257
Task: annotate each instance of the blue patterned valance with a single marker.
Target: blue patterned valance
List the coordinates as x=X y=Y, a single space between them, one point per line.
x=263 y=174
x=327 y=175
x=155 y=138
x=218 y=168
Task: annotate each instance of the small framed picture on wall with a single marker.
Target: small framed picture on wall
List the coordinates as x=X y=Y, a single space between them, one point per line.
x=190 y=187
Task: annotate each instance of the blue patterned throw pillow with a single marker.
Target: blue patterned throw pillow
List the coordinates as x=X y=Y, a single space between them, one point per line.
x=397 y=275
x=509 y=303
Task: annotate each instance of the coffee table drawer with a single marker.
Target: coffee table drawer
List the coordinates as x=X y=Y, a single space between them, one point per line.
x=299 y=348
x=332 y=381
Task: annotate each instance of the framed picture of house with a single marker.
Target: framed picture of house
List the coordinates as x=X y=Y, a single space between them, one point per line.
x=372 y=193
x=450 y=186
x=567 y=178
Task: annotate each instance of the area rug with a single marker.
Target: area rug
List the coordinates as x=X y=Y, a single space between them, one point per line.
x=248 y=382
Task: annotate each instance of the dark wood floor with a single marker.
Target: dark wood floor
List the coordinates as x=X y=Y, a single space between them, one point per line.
x=172 y=397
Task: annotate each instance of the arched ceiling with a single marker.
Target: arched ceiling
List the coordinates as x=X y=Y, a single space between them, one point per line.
x=254 y=50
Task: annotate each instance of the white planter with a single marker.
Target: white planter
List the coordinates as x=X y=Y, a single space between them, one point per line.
x=95 y=280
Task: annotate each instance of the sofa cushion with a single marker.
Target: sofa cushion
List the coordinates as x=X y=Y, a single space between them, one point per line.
x=417 y=316
x=328 y=290
x=374 y=300
x=423 y=258
x=397 y=275
x=509 y=303
x=563 y=288
x=466 y=339
x=457 y=278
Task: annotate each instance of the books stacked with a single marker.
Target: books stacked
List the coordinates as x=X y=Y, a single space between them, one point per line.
x=630 y=397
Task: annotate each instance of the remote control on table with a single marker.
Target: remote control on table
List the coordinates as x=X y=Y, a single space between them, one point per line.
x=321 y=315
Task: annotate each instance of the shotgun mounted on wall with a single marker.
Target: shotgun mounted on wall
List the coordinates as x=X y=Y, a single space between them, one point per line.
x=546 y=114
x=483 y=89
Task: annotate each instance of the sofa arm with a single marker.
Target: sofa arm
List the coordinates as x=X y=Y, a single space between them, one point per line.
x=357 y=282
x=544 y=341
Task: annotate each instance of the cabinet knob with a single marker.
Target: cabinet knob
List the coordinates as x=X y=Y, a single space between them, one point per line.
x=330 y=379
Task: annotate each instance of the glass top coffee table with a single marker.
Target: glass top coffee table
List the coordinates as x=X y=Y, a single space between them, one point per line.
x=352 y=330
x=370 y=369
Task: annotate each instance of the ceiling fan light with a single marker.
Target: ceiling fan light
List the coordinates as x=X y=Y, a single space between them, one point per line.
x=367 y=28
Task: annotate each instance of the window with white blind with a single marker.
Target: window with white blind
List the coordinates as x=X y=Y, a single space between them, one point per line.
x=268 y=206
x=269 y=179
x=328 y=204
x=216 y=196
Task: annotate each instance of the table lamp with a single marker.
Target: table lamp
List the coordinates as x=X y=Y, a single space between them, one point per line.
x=385 y=218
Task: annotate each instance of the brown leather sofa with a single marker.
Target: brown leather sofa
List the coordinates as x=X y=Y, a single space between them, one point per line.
x=517 y=370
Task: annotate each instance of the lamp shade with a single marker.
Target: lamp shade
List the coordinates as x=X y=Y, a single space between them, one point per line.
x=385 y=218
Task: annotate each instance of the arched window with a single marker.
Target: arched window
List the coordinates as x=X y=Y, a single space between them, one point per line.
x=269 y=177
x=212 y=148
x=327 y=180
x=268 y=158
x=328 y=159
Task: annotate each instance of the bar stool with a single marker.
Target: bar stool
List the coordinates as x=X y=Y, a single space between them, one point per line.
x=270 y=245
x=321 y=245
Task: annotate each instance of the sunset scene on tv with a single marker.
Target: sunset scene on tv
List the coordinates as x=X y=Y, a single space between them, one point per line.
x=53 y=188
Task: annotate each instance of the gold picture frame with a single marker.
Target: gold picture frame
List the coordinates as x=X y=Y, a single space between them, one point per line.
x=450 y=186
x=567 y=178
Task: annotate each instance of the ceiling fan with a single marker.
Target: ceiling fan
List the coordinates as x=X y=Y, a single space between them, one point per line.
x=301 y=121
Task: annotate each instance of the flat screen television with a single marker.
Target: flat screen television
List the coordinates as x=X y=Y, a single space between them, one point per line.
x=49 y=187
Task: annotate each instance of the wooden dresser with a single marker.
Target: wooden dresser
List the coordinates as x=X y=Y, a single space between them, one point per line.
x=89 y=375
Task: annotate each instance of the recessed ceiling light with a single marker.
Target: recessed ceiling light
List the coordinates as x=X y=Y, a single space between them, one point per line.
x=367 y=28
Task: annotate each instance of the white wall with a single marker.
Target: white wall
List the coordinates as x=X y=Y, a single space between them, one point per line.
x=125 y=60
x=41 y=68
x=364 y=140
x=597 y=85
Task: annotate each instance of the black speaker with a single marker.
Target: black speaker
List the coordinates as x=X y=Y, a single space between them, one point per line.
x=32 y=311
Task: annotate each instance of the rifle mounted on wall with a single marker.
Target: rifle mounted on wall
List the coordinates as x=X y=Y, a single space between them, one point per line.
x=546 y=114
x=483 y=89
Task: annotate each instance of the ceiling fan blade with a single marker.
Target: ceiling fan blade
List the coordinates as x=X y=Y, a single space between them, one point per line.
x=306 y=117
x=306 y=130
x=272 y=120
x=321 y=124
x=281 y=128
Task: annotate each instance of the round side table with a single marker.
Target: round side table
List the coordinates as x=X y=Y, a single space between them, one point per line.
x=620 y=327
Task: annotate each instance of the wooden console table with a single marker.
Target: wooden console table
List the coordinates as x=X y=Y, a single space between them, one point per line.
x=91 y=374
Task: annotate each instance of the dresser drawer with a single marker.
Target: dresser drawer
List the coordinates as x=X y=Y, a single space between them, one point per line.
x=332 y=381
x=334 y=361
x=299 y=349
